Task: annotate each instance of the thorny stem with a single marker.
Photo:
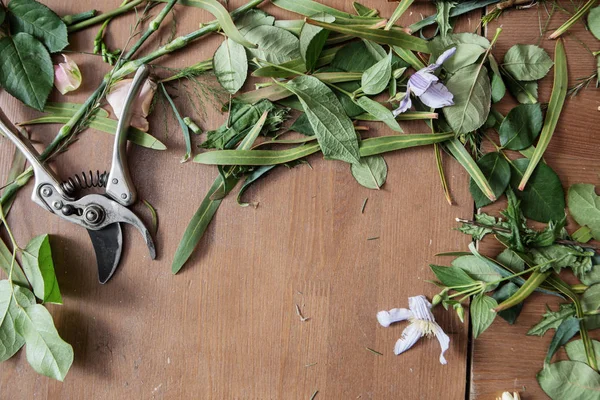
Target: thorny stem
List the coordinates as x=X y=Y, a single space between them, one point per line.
x=103 y=17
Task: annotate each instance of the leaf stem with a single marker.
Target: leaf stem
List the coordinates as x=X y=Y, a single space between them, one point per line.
x=567 y=25
x=103 y=17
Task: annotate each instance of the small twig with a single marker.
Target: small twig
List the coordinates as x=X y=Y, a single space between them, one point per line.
x=362 y=209
x=314 y=394
x=373 y=238
x=511 y=3
x=374 y=351
x=299 y=313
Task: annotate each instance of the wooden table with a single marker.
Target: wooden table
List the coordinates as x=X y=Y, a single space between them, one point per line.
x=226 y=326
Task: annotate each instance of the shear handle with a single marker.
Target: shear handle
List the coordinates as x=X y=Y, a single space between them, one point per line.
x=43 y=174
x=120 y=185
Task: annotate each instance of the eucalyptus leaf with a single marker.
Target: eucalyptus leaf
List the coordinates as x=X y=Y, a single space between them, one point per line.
x=496 y=170
x=185 y=130
x=576 y=350
x=46 y=351
x=371 y=172
x=26 y=70
x=569 y=380
x=521 y=127
x=527 y=62
x=460 y=153
x=543 y=199
x=482 y=314
x=32 y=17
x=334 y=130
x=379 y=111
x=376 y=78
x=594 y=21
x=584 y=207
x=230 y=64
x=275 y=45
x=472 y=99
x=39 y=269
x=312 y=40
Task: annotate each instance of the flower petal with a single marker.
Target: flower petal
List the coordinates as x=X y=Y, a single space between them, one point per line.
x=443 y=339
x=67 y=76
x=141 y=106
x=420 y=81
x=386 y=318
x=443 y=57
x=405 y=104
x=421 y=308
x=437 y=96
x=410 y=335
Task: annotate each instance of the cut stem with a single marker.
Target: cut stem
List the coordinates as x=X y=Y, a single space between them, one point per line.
x=103 y=17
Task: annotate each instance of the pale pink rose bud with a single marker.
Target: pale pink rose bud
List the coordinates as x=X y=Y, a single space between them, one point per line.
x=67 y=76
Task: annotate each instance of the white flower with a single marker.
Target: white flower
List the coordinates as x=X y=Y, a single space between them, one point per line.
x=508 y=396
x=422 y=323
x=141 y=105
x=67 y=76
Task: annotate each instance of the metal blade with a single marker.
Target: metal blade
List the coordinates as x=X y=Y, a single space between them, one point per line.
x=108 y=243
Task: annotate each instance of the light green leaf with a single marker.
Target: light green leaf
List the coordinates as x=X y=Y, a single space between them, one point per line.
x=527 y=62
x=293 y=26
x=552 y=320
x=498 y=86
x=590 y=300
x=253 y=18
x=452 y=276
x=458 y=151
x=379 y=111
x=576 y=350
x=375 y=79
x=363 y=10
x=375 y=50
x=482 y=315
x=309 y=8
x=521 y=127
x=39 y=269
x=466 y=54
x=592 y=276
x=18 y=277
x=543 y=199
x=230 y=64
x=275 y=45
x=333 y=128
x=296 y=64
x=442 y=16
x=225 y=21
x=496 y=170
x=26 y=70
x=584 y=207
x=478 y=270
x=524 y=92
x=185 y=130
x=69 y=109
x=472 y=99
x=5 y=298
x=440 y=44
x=10 y=340
x=47 y=353
x=32 y=17
x=371 y=172
x=569 y=380
x=312 y=40
x=594 y=21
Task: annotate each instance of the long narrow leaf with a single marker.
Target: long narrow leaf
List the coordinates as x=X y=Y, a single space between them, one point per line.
x=461 y=8
x=461 y=154
x=557 y=100
x=402 y=7
x=368 y=147
x=184 y=128
x=309 y=8
x=409 y=57
x=325 y=58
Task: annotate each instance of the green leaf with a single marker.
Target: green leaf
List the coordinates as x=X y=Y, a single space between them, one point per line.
x=10 y=340
x=358 y=56
x=569 y=380
x=362 y=10
x=558 y=256
x=371 y=172
x=26 y=70
x=524 y=92
x=462 y=7
x=552 y=320
x=368 y=147
x=18 y=277
x=225 y=21
x=379 y=111
x=253 y=18
x=309 y=8
x=230 y=64
x=250 y=179
x=32 y=17
x=452 y=276
x=521 y=126
x=496 y=170
x=527 y=62
x=498 y=86
x=565 y=332
x=557 y=100
x=374 y=49
x=482 y=314
x=2 y=14
x=478 y=270
x=442 y=17
x=312 y=40
x=47 y=353
x=393 y=38
x=185 y=130
x=5 y=298
x=472 y=99
x=594 y=21
x=592 y=276
x=39 y=269
x=376 y=78
x=296 y=64
x=458 y=151
x=510 y=315
x=333 y=128
x=275 y=45
x=590 y=300
x=576 y=350
x=584 y=207
x=511 y=260
x=543 y=199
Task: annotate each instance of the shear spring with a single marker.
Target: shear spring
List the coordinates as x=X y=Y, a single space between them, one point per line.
x=84 y=181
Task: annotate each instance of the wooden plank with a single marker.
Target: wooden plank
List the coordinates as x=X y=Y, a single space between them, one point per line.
x=504 y=358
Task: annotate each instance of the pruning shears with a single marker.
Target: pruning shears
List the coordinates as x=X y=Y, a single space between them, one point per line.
x=101 y=214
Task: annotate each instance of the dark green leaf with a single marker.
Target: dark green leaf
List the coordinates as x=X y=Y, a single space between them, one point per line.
x=355 y=57
x=521 y=126
x=230 y=64
x=375 y=50
x=482 y=314
x=452 y=276
x=312 y=40
x=302 y=125
x=506 y=291
x=462 y=7
x=2 y=14
x=39 y=269
x=478 y=232
x=565 y=331
x=253 y=18
x=275 y=45
x=371 y=172
x=527 y=62
x=26 y=70
x=32 y=17
x=569 y=380
x=334 y=130
x=375 y=79
x=552 y=320
x=497 y=172
x=543 y=199
x=363 y=10
x=584 y=207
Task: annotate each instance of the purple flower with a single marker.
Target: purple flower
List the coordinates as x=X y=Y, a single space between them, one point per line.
x=426 y=86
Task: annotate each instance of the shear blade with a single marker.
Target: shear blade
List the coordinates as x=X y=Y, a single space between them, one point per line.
x=107 y=243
